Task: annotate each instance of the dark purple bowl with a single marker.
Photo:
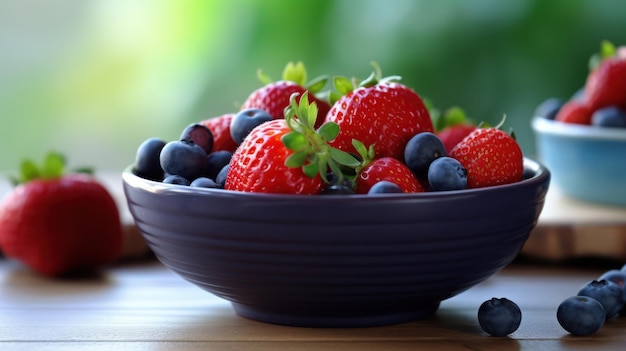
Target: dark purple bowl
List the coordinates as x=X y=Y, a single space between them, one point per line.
x=336 y=261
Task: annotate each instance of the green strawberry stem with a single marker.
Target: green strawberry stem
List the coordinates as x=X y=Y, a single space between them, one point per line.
x=310 y=147
x=296 y=72
x=53 y=167
x=345 y=85
x=607 y=50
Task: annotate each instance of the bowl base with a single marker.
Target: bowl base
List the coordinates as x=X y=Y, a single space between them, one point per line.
x=334 y=320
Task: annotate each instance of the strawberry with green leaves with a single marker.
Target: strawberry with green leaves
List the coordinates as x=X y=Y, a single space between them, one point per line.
x=452 y=126
x=57 y=223
x=373 y=170
x=273 y=97
x=288 y=155
x=490 y=156
x=377 y=111
x=606 y=82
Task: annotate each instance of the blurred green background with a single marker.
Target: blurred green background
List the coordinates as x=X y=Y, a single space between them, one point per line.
x=93 y=79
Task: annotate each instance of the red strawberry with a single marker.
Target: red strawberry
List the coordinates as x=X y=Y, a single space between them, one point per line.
x=574 y=111
x=273 y=97
x=606 y=86
x=389 y=169
x=287 y=155
x=491 y=157
x=378 y=112
x=453 y=134
x=60 y=223
x=220 y=128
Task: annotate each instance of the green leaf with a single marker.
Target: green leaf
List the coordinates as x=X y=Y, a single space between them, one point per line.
x=343 y=158
x=263 y=77
x=329 y=131
x=343 y=85
x=296 y=159
x=360 y=148
x=295 y=141
x=607 y=49
x=311 y=114
x=28 y=171
x=454 y=115
x=317 y=84
x=311 y=169
x=333 y=97
x=295 y=73
x=53 y=165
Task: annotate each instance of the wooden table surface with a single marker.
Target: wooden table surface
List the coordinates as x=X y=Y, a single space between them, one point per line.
x=142 y=305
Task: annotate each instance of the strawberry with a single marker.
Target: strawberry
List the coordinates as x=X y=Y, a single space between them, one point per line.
x=606 y=82
x=490 y=156
x=58 y=223
x=574 y=111
x=287 y=155
x=220 y=128
x=373 y=170
x=274 y=97
x=453 y=134
x=379 y=111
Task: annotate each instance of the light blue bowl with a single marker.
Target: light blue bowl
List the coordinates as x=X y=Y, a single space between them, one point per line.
x=586 y=162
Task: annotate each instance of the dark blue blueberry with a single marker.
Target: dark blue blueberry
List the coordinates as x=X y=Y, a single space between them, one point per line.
x=581 y=315
x=609 y=294
x=204 y=182
x=216 y=161
x=549 y=108
x=446 y=173
x=147 y=163
x=183 y=158
x=200 y=135
x=421 y=150
x=176 y=179
x=385 y=187
x=618 y=277
x=244 y=121
x=220 y=179
x=611 y=116
x=499 y=316
x=337 y=189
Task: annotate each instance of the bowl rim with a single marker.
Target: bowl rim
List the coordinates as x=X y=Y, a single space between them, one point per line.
x=541 y=174
x=580 y=131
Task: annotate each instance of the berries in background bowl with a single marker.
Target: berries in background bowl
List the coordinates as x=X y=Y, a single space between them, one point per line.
x=499 y=316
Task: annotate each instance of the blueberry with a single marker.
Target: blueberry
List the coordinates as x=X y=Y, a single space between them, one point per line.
x=549 y=108
x=244 y=121
x=183 y=158
x=220 y=179
x=499 y=316
x=609 y=294
x=422 y=149
x=446 y=173
x=581 y=315
x=200 y=135
x=611 y=116
x=385 y=187
x=216 y=161
x=176 y=179
x=618 y=277
x=204 y=182
x=147 y=164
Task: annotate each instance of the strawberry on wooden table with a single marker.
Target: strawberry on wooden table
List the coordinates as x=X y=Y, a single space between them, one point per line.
x=491 y=157
x=377 y=111
x=58 y=223
x=287 y=155
x=273 y=97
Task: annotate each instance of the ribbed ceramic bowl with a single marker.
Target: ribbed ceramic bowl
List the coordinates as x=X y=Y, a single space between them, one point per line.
x=587 y=162
x=336 y=261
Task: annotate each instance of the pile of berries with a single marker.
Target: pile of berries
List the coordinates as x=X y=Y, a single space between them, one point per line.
x=602 y=100
x=371 y=136
x=582 y=314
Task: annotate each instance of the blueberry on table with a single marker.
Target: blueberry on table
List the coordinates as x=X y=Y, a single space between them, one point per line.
x=446 y=173
x=611 y=116
x=581 y=315
x=421 y=150
x=200 y=135
x=244 y=121
x=385 y=187
x=184 y=158
x=499 y=316
x=618 y=277
x=147 y=164
x=549 y=108
x=608 y=293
